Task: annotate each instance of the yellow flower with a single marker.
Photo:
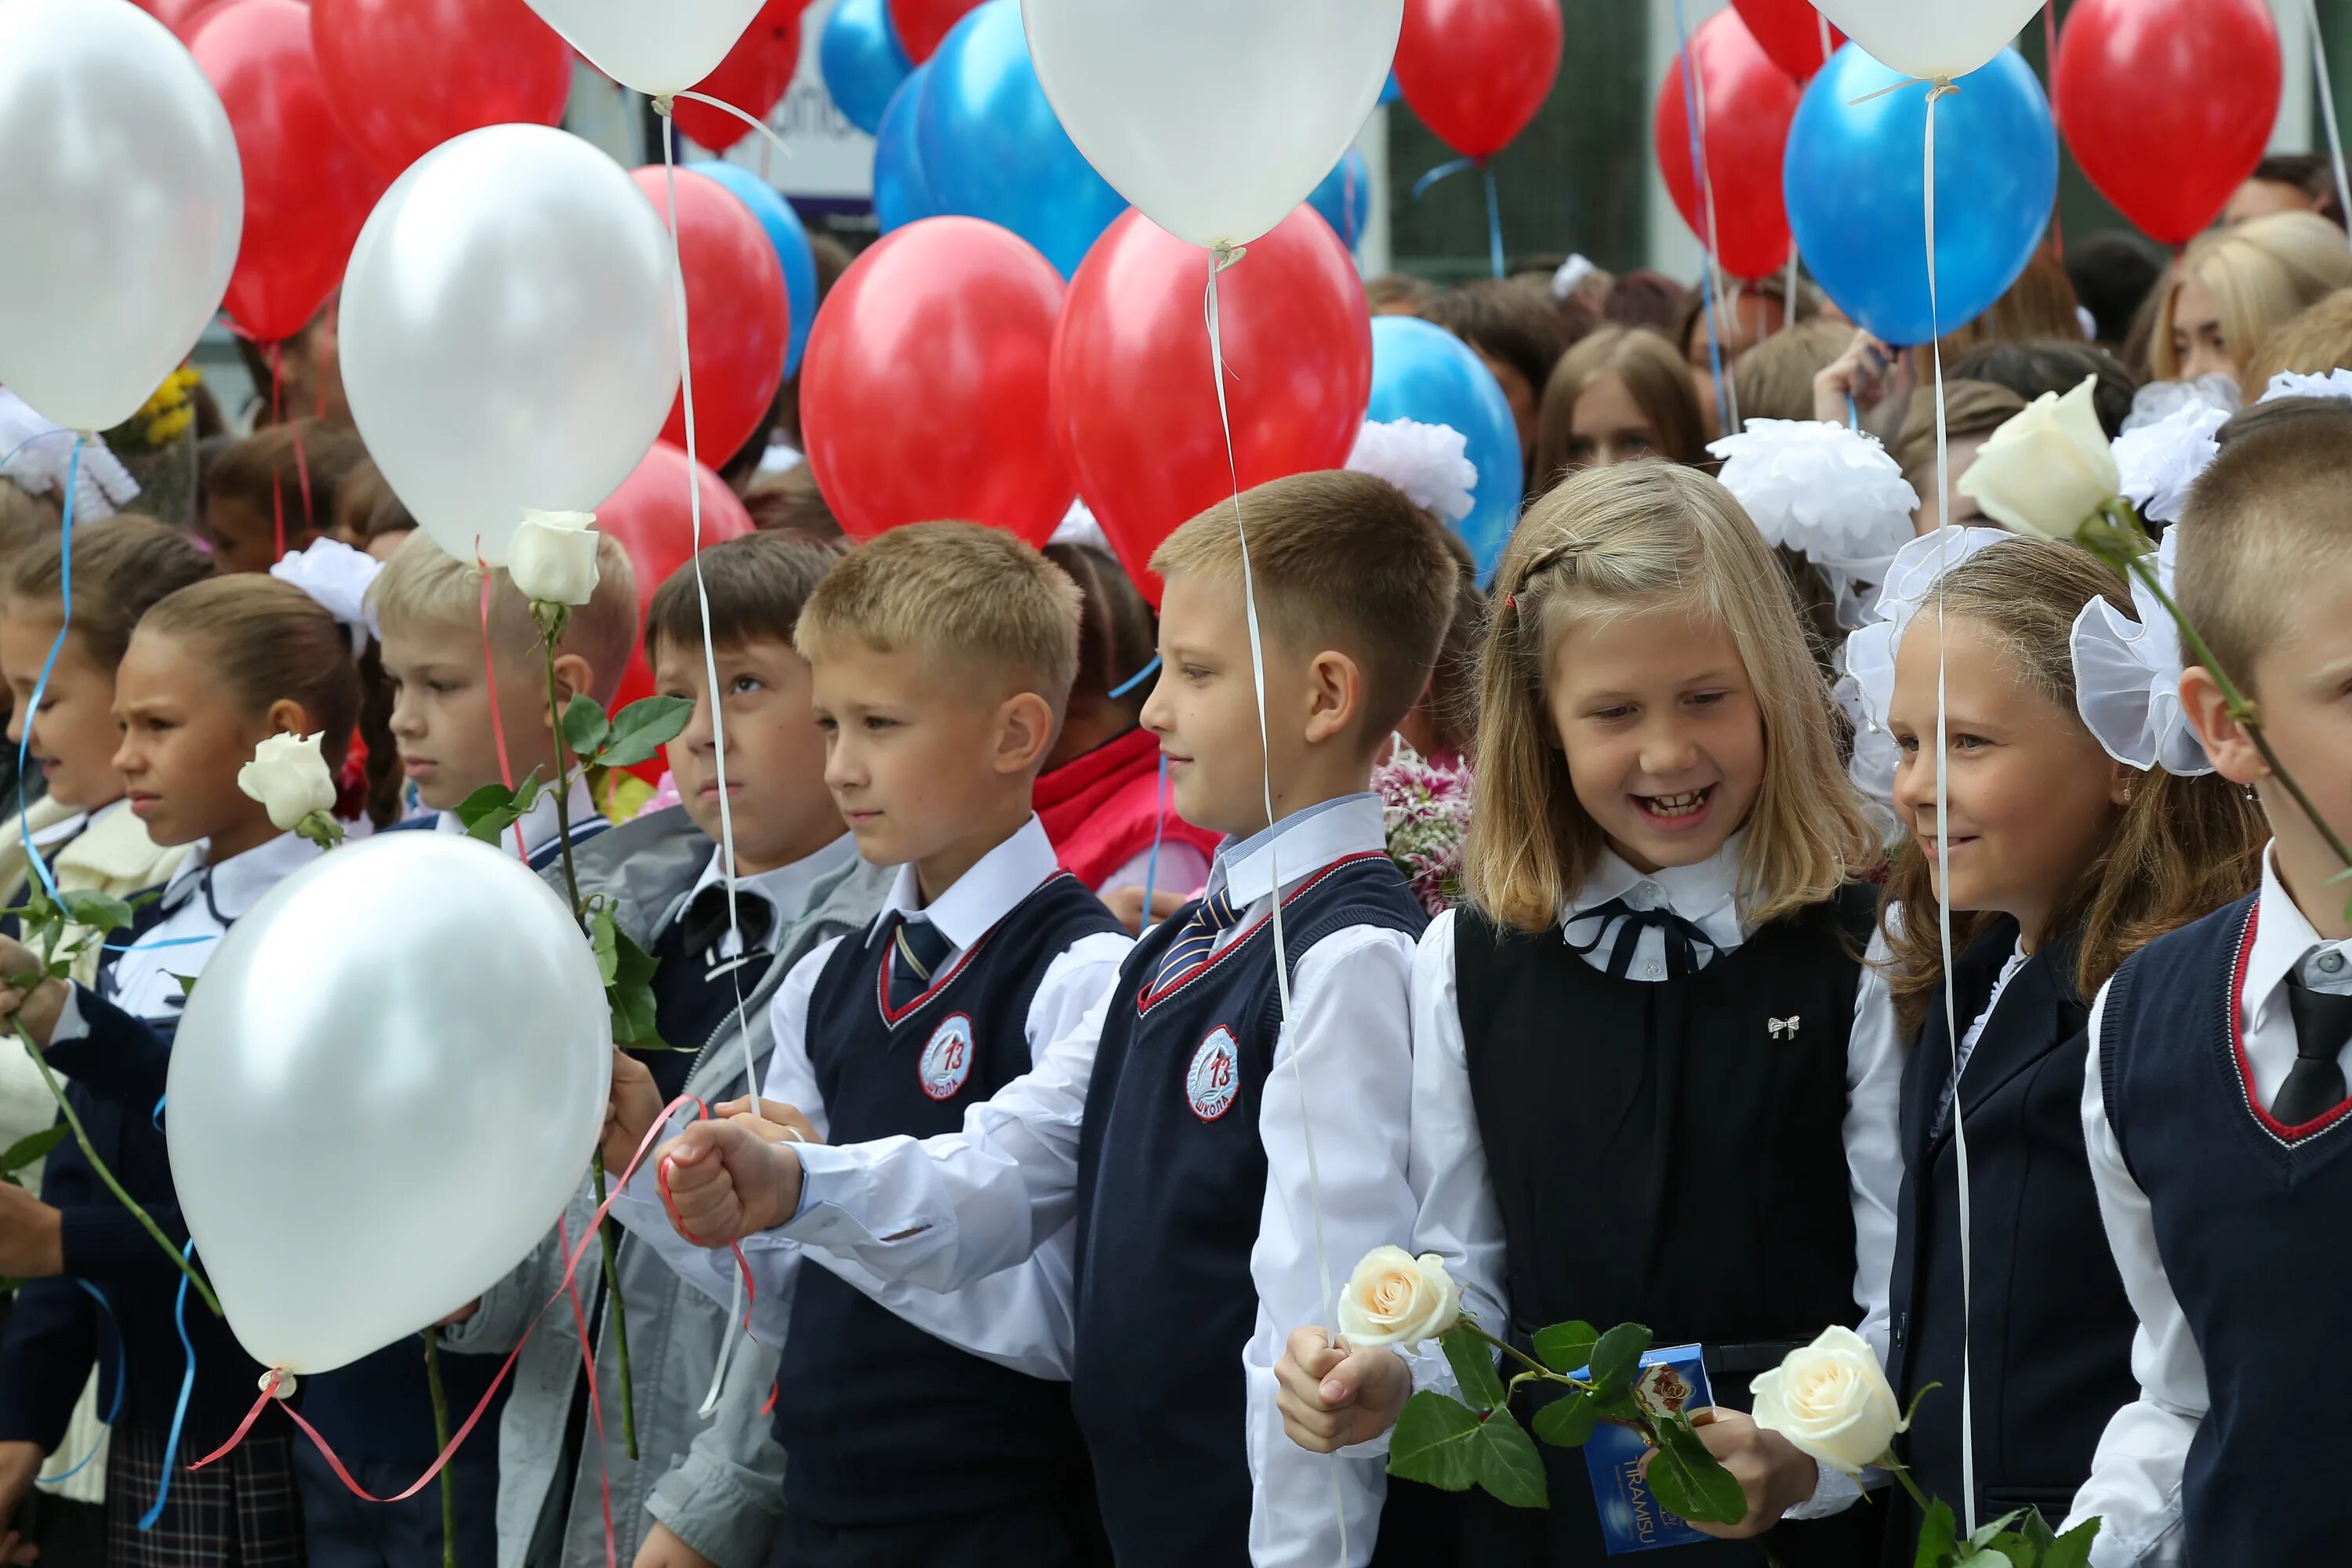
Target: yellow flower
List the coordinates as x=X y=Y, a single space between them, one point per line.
x=166 y=428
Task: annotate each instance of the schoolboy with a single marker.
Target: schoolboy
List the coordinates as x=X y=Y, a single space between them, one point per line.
x=926 y=1428
x=451 y=718
x=376 y=1412
x=1179 y=1144
x=702 y=1491
x=2214 y=1104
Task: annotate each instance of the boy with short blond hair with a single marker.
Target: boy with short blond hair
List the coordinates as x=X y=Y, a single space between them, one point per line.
x=2215 y=1105
x=1172 y=1125
x=923 y=1428
x=451 y=717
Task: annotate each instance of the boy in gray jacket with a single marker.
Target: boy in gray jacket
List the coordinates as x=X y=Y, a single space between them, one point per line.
x=703 y=1491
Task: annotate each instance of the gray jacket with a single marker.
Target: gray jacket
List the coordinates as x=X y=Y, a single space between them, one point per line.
x=717 y=1484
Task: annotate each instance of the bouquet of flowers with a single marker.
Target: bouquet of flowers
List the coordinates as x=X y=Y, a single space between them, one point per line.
x=1427 y=805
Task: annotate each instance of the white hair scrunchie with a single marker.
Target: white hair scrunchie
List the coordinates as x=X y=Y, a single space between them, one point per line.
x=1831 y=494
x=338 y=578
x=2128 y=679
x=1867 y=688
x=1430 y=463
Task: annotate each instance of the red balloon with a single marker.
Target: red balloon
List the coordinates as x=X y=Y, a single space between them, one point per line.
x=651 y=516
x=406 y=76
x=1476 y=70
x=308 y=189
x=921 y=24
x=1750 y=104
x=2168 y=104
x=1133 y=395
x=924 y=391
x=754 y=77
x=1790 y=32
x=738 y=320
x=182 y=16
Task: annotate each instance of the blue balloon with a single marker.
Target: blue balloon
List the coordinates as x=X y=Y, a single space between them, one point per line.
x=790 y=240
x=1345 y=197
x=1854 y=177
x=862 y=61
x=992 y=148
x=902 y=192
x=1390 y=91
x=1423 y=372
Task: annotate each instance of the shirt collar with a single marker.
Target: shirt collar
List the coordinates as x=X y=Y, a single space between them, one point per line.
x=1705 y=894
x=982 y=895
x=538 y=825
x=2284 y=939
x=786 y=888
x=67 y=827
x=236 y=884
x=1298 y=845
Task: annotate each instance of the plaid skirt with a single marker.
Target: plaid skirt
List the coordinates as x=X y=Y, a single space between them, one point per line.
x=243 y=1512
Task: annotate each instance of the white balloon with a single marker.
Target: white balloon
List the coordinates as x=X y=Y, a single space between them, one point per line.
x=1930 y=38
x=388 y=1083
x=655 y=46
x=1215 y=117
x=125 y=202
x=508 y=335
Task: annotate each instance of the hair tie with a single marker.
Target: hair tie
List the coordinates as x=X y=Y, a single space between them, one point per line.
x=1868 y=688
x=1511 y=603
x=2128 y=679
x=337 y=577
x=1429 y=463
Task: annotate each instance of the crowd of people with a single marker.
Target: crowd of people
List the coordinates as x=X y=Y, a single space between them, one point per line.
x=1098 y=1032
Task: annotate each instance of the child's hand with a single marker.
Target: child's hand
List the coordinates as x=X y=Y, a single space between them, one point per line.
x=665 y=1550
x=1126 y=905
x=725 y=1181
x=1770 y=1468
x=636 y=1105
x=772 y=1120
x=19 y=1463
x=1332 y=1397
x=1869 y=381
x=36 y=1007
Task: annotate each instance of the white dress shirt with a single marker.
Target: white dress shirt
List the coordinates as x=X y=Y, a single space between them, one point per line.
x=2135 y=1485
x=785 y=889
x=200 y=902
x=947 y=1211
x=1018 y=1318
x=1459 y=1219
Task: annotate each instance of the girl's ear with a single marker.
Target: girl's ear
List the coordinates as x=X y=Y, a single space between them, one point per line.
x=288 y=717
x=2125 y=782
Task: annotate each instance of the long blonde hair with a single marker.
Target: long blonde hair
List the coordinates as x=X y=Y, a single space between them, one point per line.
x=2261 y=274
x=1611 y=541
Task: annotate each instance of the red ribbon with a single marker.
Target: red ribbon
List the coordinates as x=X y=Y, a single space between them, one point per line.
x=497 y=725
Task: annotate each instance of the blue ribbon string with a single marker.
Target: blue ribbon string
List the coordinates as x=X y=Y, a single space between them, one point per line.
x=1139 y=676
x=1707 y=248
x=121 y=1378
x=1159 y=832
x=1493 y=203
x=180 y=1410
x=40 y=867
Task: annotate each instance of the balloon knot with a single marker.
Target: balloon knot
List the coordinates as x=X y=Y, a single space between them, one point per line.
x=1226 y=255
x=663 y=104
x=280 y=1385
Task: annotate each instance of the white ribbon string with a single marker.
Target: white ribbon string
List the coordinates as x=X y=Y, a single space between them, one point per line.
x=2328 y=108
x=762 y=126
x=1219 y=259
x=1952 y=1026
x=710 y=681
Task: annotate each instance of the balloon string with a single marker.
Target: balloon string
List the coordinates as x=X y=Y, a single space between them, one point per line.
x=187 y=1386
x=762 y=126
x=2328 y=110
x=1942 y=86
x=279 y=1378
x=1442 y=171
x=1158 y=835
x=1493 y=221
x=48 y=665
x=114 y=1406
x=1225 y=255
x=596 y=1398
x=277 y=483
x=1822 y=18
x=2050 y=64
x=709 y=671
x=497 y=725
x=1698 y=168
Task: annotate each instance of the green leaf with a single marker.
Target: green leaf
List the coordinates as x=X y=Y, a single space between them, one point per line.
x=1507 y=1462
x=630 y=989
x=481 y=803
x=24 y=1151
x=1617 y=1356
x=642 y=728
x=606 y=938
x=1473 y=1360
x=586 y=727
x=99 y=911
x=2034 y=1530
x=187 y=985
x=1566 y=1347
x=1987 y=1533
x=490 y=810
x=1686 y=1479
x=2071 y=1549
x=1432 y=1443
x=1936 y=1546
x=1567 y=1423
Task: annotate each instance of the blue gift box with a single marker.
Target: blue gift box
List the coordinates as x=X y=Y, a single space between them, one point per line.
x=1673 y=1378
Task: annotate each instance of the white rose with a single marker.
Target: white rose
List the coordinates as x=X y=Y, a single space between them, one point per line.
x=1832 y=1400
x=552 y=559
x=1396 y=1298
x=2048 y=471
x=288 y=776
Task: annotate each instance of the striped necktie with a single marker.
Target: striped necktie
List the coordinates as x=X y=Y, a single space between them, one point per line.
x=1212 y=918
x=920 y=951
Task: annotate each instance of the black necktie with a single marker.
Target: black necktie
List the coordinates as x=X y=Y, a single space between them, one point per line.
x=704 y=925
x=1683 y=939
x=2323 y=1024
x=918 y=949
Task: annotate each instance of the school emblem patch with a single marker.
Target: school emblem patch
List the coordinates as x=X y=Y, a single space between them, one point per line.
x=1214 y=1083
x=947 y=1061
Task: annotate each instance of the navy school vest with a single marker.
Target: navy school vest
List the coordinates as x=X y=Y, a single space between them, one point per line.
x=1171 y=1183
x=1670 y=1154
x=2249 y=1219
x=881 y=1422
